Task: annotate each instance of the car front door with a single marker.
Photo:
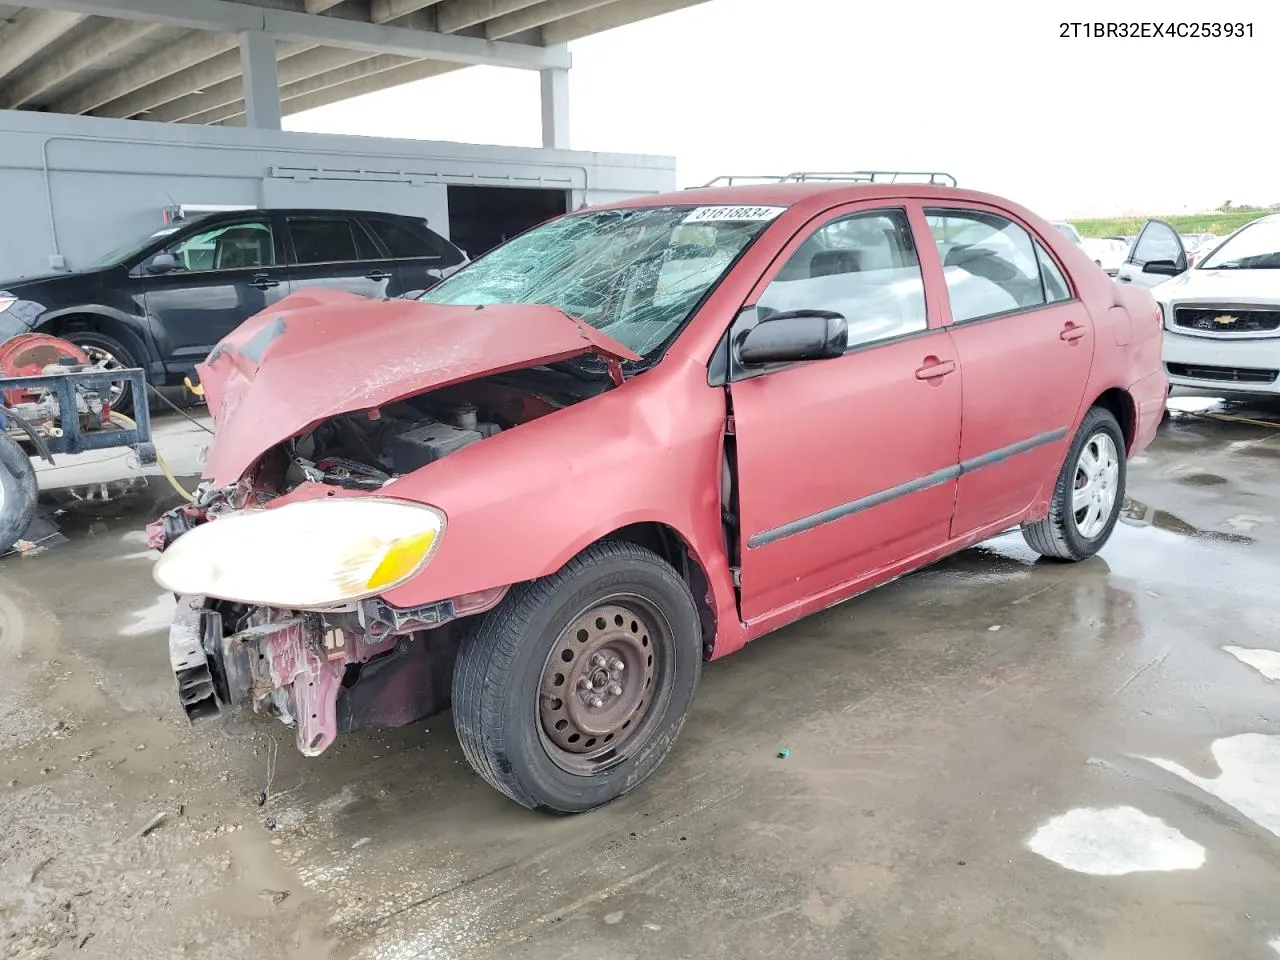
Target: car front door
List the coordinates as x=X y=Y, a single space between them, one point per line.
x=845 y=465
x=221 y=275
x=1155 y=256
x=336 y=252
x=1025 y=344
x=422 y=257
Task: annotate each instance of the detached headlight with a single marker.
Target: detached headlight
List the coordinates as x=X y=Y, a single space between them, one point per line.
x=316 y=553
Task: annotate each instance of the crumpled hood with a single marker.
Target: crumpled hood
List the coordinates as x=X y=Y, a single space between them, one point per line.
x=321 y=353
x=1226 y=286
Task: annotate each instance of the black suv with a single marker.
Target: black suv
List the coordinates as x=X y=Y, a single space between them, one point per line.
x=163 y=302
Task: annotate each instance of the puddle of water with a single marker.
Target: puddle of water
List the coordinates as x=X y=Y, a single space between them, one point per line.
x=1250 y=777
x=1135 y=513
x=153 y=619
x=1113 y=841
x=1202 y=479
x=1266 y=662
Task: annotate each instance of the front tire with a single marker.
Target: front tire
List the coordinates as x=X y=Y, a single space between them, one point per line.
x=573 y=689
x=1088 y=494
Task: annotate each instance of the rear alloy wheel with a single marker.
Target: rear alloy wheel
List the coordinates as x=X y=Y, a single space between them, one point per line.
x=17 y=493
x=1088 y=495
x=571 y=691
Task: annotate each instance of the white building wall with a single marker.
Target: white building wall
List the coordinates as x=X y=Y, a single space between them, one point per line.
x=73 y=188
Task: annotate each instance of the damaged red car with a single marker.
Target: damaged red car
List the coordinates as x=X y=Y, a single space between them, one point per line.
x=632 y=440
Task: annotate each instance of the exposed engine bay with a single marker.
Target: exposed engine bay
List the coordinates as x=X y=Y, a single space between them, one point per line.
x=364 y=451
x=368 y=664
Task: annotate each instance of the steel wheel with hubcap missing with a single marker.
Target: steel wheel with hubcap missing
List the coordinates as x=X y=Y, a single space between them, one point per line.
x=1096 y=481
x=1088 y=493
x=598 y=684
x=572 y=690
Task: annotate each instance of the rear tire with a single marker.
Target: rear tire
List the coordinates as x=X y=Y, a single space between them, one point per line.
x=1088 y=495
x=17 y=493
x=111 y=354
x=572 y=690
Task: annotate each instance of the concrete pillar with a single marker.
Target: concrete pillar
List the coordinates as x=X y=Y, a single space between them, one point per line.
x=555 y=109
x=261 y=83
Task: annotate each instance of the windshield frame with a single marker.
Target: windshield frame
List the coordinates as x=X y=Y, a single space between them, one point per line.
x=655 y=354
x=1221 y=245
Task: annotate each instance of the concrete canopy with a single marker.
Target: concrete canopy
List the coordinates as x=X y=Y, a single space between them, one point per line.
x=210 y=61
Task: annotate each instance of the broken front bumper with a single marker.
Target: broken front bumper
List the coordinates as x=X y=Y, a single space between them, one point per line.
x=394 y=666
x=289 y=666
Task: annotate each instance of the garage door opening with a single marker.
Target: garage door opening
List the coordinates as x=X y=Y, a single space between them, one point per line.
x=480 y=218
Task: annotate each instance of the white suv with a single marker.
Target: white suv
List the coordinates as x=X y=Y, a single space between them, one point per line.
x=1222 y=316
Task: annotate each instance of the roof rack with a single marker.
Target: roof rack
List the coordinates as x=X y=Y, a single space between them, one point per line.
x=934 y=177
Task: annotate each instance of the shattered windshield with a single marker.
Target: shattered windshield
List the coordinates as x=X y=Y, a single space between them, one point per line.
x=635 y=274
x=1255 y=247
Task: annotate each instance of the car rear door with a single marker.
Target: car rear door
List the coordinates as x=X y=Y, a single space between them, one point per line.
x=333 y=250
x=845 y=465
x=1025 y=345
x=422 y=257
x=1155 y=256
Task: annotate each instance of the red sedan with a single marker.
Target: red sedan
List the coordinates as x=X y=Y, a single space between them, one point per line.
x=633 y=439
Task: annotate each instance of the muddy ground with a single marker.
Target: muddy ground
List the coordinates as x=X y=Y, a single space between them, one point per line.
x=959 y=745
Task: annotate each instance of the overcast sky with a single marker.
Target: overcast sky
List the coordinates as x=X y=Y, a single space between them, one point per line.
x=987 y=91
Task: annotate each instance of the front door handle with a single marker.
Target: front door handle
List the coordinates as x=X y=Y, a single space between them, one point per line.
x=1072 y=332
x=378 y=275
x=933 y=368
x=262 y=281
x=1125 y=277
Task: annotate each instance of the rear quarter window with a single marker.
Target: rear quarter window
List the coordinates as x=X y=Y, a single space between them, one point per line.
x=413 y=240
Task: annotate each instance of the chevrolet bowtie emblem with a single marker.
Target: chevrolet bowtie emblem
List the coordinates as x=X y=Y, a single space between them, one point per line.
x=1225 y=320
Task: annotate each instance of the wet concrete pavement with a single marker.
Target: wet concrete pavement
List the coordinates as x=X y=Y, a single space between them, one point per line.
x=935 y=726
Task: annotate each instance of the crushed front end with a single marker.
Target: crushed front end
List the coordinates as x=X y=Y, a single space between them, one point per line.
x=321 y=673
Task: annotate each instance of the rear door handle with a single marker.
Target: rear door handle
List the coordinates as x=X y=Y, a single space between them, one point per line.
x=1072 y=332
x=262 y=281
x=933 y=367
x=378 y=275
x=1125 y=277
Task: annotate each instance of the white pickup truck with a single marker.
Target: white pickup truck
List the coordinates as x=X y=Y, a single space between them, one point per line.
x=1222 y=315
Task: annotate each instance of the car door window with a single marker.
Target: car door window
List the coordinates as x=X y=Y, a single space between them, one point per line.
x=1158 y=241
x=863 y=267
x=989 y=262
x=1055 y=284
x=366 y=249
x=234 y=246
x=317 y=240
x=413 y=242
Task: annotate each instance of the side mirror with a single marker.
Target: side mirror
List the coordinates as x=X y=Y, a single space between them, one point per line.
x=795 y=335
x=1164 y=268
x=162 y=262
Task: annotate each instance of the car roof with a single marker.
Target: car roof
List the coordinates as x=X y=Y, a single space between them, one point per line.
x=294 y=211
x=792 y=194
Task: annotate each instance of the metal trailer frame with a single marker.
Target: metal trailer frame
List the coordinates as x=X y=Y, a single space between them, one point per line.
x=74 y=440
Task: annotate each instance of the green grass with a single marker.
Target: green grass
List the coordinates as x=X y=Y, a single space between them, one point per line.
x=1220 y=223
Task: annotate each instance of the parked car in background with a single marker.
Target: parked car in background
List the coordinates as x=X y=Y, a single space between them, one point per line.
x=632 y=439
x=1222 y=316
x=1103 y=252
x=1197 y=245
x=163 y=301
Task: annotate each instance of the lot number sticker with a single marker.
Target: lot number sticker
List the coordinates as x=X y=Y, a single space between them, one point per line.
x=742 y=214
